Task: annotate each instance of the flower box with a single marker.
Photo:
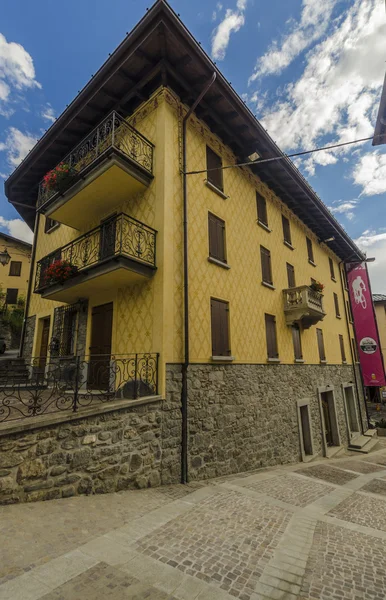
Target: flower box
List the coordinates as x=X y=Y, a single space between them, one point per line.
x=59 y=271
x=59 y=179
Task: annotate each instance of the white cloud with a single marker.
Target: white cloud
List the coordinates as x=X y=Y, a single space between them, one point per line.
x=313 y=24
x=232 y=22
x=17 y=145
x=338 y=91
x=373 y=243
x=370 y=173
x=345 y=208
x=217 y=10
x=17 y=228
x=48 y=113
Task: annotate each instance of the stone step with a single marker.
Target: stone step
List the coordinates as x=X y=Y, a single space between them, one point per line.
x=367 y=447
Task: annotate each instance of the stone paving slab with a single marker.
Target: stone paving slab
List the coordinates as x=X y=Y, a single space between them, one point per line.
x=327 y=473
x=291 y=489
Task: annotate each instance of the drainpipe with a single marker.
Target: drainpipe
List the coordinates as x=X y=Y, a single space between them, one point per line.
x=184 y=390
x=352 y=352
x=30 y=283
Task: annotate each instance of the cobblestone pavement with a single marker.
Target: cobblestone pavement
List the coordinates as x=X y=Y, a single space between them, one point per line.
x=301 y=532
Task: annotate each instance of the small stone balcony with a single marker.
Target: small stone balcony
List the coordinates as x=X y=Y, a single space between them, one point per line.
x=303 y=306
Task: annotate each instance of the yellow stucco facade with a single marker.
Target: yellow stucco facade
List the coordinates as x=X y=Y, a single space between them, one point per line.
x=380 y=315
x=19 y=253
x=148 y=315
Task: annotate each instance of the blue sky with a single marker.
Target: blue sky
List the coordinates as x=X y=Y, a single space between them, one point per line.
x=311 y=71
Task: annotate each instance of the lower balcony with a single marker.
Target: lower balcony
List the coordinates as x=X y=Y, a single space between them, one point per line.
x=117 y=253
x=303 y=306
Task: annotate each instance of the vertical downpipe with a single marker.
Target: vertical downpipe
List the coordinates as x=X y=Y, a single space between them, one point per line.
x=30 y=283
x=184 y=390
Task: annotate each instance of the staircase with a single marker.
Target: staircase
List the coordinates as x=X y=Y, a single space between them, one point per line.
x=364 y=443
x=13 y=371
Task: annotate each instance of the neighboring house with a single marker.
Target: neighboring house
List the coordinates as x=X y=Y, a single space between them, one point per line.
x=15 y=275
x=380 y=315
x=269 y=376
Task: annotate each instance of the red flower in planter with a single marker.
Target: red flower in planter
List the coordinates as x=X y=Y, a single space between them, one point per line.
x=316 y=286
x=58 y=178
x=59 y=271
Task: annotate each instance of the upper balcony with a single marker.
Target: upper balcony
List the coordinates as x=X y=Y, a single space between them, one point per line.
x=303 y=306
x=118 y=252
x=113 y=156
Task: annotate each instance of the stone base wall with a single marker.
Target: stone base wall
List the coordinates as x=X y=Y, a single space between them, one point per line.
x=243 y=417
x=29 y=336
x=128 y=448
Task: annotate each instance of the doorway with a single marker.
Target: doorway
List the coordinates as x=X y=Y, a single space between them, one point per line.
x=305 y=429
x=100 y=349
x=329 y=419
x=351 y=412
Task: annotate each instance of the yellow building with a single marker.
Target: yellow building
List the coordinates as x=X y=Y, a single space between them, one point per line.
x=380 y=315
x=152 y=246
x=15 y=274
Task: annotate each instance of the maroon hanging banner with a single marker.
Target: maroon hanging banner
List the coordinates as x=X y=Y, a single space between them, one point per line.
x=370 y=356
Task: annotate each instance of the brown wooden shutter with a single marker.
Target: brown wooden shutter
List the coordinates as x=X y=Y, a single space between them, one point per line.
x=322 y=353
x=266 y=269
x=214 y=161
x=291 y=276
x=310 y=250
x=297 y=342
x=11 y=296
x=270 y=329
x=216 y=238
x=15 y=268
x=286 y=230
x=332 y=271
x=220 y=327
x=342 y=350
x=262 y=214
x=336 y=302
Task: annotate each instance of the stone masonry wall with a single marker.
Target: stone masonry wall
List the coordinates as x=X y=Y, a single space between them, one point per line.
x=128 y=448
x=29 y=335
x=244 y=417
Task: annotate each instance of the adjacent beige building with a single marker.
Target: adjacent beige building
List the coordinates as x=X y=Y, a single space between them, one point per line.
x=14 y=276
x=380 y=314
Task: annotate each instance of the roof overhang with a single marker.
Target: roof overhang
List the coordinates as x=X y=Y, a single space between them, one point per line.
x=380 y=127
x=161 y=51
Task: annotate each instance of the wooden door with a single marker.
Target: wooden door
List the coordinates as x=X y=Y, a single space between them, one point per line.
x=44 y=343
x=327 y=422
x=100 y=349
x=107 y=237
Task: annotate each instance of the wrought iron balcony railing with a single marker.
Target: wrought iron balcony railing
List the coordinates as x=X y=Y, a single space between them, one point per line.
x=303 y=304
x=119 y=236
x=114 y=132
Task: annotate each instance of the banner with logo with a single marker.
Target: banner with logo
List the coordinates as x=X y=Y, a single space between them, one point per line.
x=370 y=356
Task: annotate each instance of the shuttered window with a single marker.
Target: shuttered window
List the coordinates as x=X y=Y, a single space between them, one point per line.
x=291 y=276
x=349 y=313
x=336 y=303
x=332 y=270
x=270 y=330
x=354 y=349
x=297 y=342
x=15 y=268
x=49 y=224
x=220 y=327
x=11 y=296
x=262 y=215
x=216 y=238
x=214 y=161
x=286 y=230
x=310 y=250
x=342 y=350
x=319 y=336
x=345 y=278
x=266 y=269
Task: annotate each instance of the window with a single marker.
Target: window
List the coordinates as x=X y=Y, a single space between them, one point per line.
x=342 y=350
x=291 y=276
x=49 y=224
x=15 y=268
x=11 y=296
x=332 y=271
x=319 y=337
x=345 y=278
x=354 y=349
x=214 y=161
x=216 y=238
x=336 y=303
x=286 y=230
x=297 y=342
x=266 y=269
x=262 y=215
x=64 y=331
x=310 y=251
x=220 y=327
x=349 y=313
x=270 y=330
x=313 y=280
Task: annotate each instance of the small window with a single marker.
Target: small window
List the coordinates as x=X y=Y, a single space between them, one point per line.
x=15 y=268
x=286 y=230
x=50 y=224
x=266 y=268
x=332 y=271
x=270 y=330
x=354 y=349
x=322 y=353
x=297 y=342
x=310 y=250
x=216 y=238
x=220 y=327
x=349 y=313
x=262 y=215
x=11 y=296
x=342 y=350
x=291 y=276
x=345 y=278
x=214 y=166
x=336 y=303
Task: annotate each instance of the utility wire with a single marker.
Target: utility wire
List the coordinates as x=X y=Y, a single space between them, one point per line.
x=283 y=156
